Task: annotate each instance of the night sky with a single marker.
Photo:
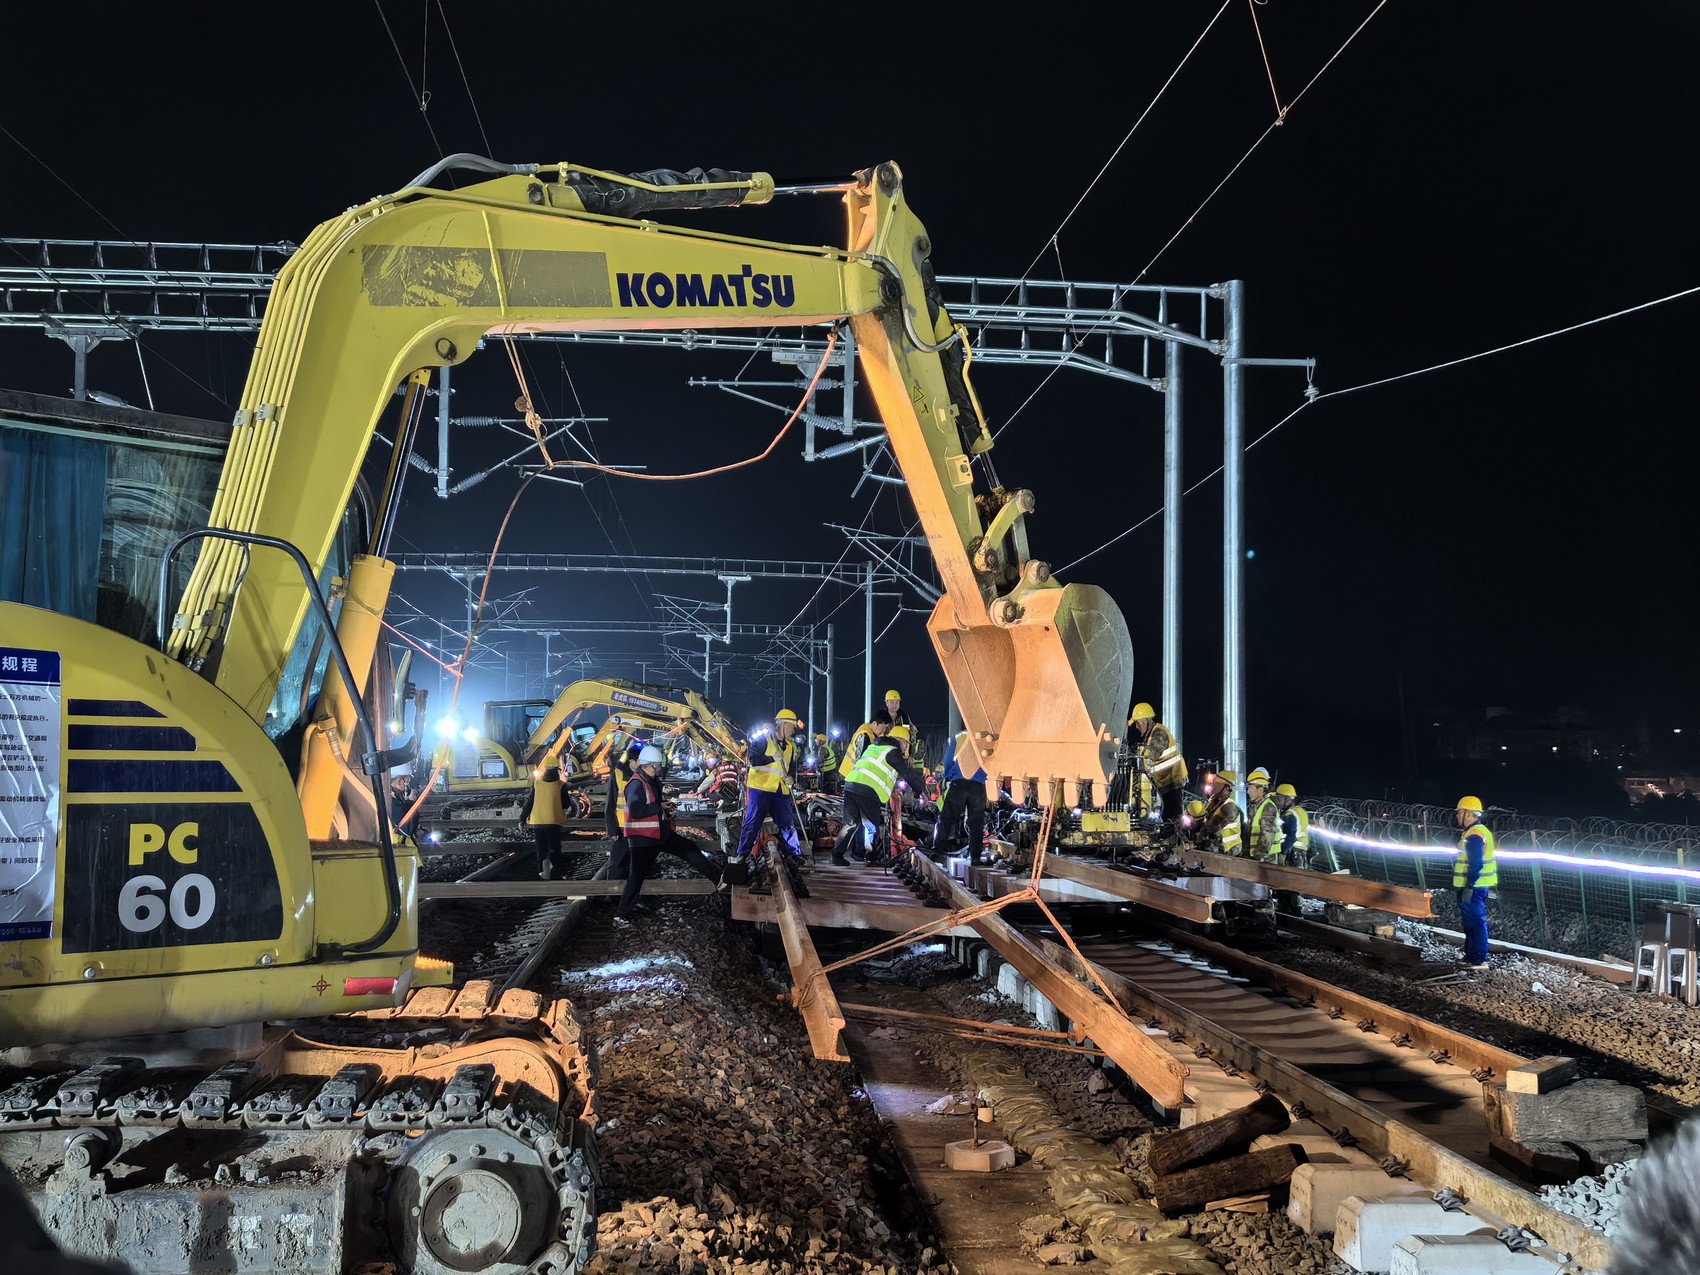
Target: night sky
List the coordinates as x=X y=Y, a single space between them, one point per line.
x=1514 y=532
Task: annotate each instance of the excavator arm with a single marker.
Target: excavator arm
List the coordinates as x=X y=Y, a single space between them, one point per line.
x=412 y=281
x=651 y=704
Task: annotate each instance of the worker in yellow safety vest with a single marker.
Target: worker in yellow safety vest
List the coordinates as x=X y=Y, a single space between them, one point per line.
x=1295 y=826
x=1160 y=759
x=1474 y=873
x=867 y=792
x=773 y=757
x=546 y=816
x=1263 y=832
x=1222 y=820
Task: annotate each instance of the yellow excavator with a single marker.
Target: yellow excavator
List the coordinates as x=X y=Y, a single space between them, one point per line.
x=198 y=842
x=676 y=716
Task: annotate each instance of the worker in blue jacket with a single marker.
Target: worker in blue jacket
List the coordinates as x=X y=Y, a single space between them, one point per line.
x=962 y=794
x=1475 y=871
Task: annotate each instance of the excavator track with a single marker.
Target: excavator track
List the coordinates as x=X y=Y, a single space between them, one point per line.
x=451 y=1134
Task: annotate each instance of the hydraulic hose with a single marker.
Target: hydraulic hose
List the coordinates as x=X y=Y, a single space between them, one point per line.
x=477 y=163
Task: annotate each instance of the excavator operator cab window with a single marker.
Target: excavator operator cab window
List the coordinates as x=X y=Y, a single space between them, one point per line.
x=90 y=498
x=304 y=670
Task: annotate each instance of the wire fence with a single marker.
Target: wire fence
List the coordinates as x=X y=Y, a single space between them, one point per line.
x=1577 y=886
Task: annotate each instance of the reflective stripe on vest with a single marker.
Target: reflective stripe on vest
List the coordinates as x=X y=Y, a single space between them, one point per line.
x=648 y=828
x=775 y=774
x=1163 y=761
x=1301 y=834
x=1489 y=877
x=872 y=770
x=1230 y=830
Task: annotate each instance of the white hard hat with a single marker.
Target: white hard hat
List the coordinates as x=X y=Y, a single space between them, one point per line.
x=652 y=756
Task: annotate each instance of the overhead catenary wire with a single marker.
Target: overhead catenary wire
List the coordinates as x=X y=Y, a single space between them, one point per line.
x=1192 y=217
x=1389 y=380
x=455 y=49
x=413 y=89
x=1120 y=146
x=730 y=466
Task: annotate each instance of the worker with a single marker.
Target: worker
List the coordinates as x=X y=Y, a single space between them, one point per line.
x=546 y=816
x=724 y=785
x=898 y=725
x=1263 y=831
x=617 y=782
x=868 y=789
x=830 y=755
x=860 y=738
x=1192 y=823
x=1295 y=827
x=964 y=795
x=1474 y=873
x=650 y=833
x=772 y=777
x=1160 y=759
x=402 y=795
x=622 y=765
x=1222 y=821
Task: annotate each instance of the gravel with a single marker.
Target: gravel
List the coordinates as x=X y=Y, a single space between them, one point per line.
x=1597 y=1202
x=1263 y=1244
x=724 y=1146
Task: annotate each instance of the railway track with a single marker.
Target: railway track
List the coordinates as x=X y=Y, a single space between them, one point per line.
x=1363 y=1074
x=505 y=941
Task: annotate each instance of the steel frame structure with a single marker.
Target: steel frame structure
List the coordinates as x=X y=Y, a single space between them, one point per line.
x=88 y=291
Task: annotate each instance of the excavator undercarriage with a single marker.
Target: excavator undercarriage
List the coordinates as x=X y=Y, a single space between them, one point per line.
x=451 y=1134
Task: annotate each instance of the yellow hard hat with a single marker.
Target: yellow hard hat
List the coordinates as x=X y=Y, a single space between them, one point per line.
x=1141 y=713
x=786 y=715
x=1227 y=776
x=1258 y=776
x=820 y=735
x=1195 y=808
x=1470 y=803
x=893 y=695
x=1287 y=790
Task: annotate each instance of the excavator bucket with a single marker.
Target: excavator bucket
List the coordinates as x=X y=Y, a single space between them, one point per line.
x=1043 y=698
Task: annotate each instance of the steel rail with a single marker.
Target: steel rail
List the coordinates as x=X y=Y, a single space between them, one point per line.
x=1462 y=1049
x=567 y=922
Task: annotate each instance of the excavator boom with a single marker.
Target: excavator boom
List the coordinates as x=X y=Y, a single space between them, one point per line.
x=1041 y=671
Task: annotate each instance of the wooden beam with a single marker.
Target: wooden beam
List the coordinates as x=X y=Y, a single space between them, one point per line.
x=1240 y=1176
x=845 y=914
x=1397 y=899
x=1186 y=905
x=811 y=993
x=1213 y=1139
x=1126 y=1045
